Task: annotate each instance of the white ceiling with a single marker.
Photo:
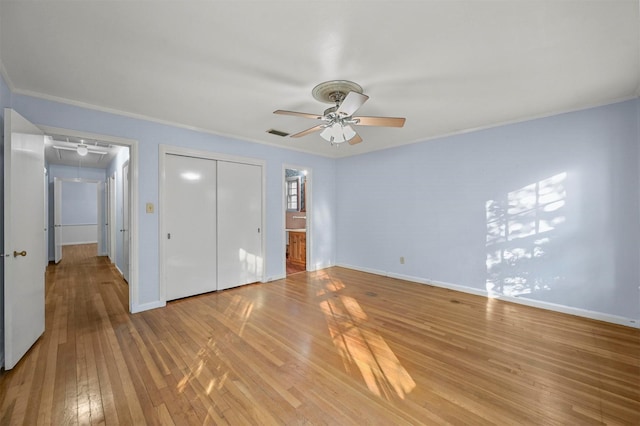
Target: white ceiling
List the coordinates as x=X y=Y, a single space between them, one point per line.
x=62 y=150
x=225 y=66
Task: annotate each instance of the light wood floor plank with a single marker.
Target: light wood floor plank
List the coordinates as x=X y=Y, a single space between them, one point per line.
x=329 y=347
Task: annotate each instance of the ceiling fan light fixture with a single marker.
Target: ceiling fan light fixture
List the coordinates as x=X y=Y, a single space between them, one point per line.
x=338 y=133
x=82 y=150
x=348 y=132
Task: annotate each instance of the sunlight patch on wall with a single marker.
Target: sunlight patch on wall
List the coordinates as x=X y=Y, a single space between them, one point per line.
x=521 y=235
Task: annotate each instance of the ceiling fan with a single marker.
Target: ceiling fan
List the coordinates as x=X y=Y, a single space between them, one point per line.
x=337 y=121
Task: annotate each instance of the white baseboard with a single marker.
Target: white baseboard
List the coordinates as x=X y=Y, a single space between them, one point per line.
x=600 y=316
x=79 y=234
x=73 y=243
x=319 y=266
x=274 y=278
x=147 y=306
x=363 y=269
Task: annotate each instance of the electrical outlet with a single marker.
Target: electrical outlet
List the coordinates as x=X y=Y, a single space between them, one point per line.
x=149 y=207
x=402 y=260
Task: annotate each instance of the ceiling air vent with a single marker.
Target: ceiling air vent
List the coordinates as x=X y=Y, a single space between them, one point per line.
x=277 y=132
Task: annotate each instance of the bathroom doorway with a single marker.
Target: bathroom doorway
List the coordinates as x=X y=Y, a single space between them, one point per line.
x=297 y=219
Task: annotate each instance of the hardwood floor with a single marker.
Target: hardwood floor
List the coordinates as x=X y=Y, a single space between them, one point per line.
x=330 y=347
x=294 y=268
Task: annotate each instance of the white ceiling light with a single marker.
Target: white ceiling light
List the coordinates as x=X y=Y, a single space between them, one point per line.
x=82 y=149
x=338 y=133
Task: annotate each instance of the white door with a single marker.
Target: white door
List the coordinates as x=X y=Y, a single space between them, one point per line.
x=125 y=221
x=112 y=218
x=46 y=218
x=239 y=224
x=24 y=243
x=189 y=226
x=57 y=219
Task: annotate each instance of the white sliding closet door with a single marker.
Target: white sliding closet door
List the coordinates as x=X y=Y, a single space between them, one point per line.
x=190 y=224
x=240 y=258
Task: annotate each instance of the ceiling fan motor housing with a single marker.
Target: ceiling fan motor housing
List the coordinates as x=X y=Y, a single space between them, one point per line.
x=334 y=91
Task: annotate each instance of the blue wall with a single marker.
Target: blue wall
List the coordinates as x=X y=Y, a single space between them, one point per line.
x=545 y=209
x=79 y=203
x=150 y=135
x=75 y=210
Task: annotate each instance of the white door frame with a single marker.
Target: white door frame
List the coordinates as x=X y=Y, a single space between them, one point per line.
x=126 y=224
x=112 y=229
x=134 y=291
x=101 y=217
x=175 y=150
x=46 y=217
x=308 y=203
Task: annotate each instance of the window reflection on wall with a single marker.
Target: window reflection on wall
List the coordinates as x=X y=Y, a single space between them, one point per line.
x=522 y=228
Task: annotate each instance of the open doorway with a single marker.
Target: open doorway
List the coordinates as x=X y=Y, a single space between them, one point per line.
x=83 y=212
x=97 y=164
x=297 y=198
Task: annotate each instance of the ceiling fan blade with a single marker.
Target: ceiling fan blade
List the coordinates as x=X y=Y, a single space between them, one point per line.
x=306 y=132
x=354 y=140
x=298 y=114
x=351 y=103
x=381 y=121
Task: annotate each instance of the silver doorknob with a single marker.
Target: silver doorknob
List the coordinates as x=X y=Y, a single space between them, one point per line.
x=19 y=253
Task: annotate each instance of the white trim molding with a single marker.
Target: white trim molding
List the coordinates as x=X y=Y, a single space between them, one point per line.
x=148 y=306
